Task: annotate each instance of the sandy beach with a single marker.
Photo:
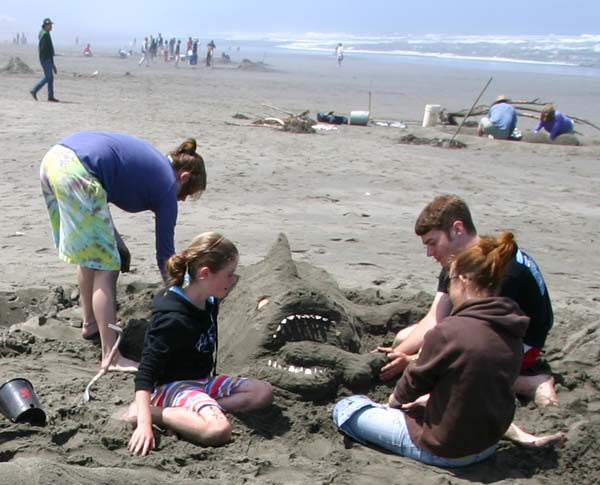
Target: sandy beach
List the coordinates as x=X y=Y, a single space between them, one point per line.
x=346 y=200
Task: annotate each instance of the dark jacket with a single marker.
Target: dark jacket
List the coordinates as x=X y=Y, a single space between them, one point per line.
x=45 y=46
x=469 y=363
x=180 y=341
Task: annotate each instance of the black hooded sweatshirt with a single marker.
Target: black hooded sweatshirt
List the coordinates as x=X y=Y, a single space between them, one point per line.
x=180 y=341
x=469 y=363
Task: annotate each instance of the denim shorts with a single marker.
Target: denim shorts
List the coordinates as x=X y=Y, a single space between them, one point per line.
x=377 y=424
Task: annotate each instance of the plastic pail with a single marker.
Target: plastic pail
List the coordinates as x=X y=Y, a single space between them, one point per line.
x=19 y=402
x=431 y=114
x=359 y=117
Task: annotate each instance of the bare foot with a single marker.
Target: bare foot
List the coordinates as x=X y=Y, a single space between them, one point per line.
x=545 y=395
x=129 y=414
x=557 y=440
x=121 y=364
x=521 y=437
x=539 y=387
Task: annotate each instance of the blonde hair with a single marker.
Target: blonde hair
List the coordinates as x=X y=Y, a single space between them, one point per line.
x=485 y=262
x=548 y=112
x=209 y=249
x=184 y=157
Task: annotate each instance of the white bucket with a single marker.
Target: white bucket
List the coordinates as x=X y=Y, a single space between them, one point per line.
x=359 y=117
x=431 y=114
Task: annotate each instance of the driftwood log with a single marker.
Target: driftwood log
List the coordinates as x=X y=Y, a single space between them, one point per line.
x=294 y=123
x=525 y=108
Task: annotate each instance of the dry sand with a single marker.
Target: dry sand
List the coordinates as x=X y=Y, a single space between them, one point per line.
x=346 y=200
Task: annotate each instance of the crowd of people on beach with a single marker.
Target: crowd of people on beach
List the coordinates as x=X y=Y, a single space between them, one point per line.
x=458 y=370
x=154 y=48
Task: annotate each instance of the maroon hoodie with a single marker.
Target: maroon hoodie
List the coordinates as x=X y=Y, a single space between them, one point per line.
x=469 y=363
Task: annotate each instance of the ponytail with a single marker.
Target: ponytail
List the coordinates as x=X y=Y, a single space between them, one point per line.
x=209 y=249
x=485 y=263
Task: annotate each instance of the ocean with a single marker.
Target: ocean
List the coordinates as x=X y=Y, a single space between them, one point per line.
x=576 y=54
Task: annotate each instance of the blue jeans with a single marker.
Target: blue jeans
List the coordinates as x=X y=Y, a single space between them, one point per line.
x=370 y=423
x=48 y=67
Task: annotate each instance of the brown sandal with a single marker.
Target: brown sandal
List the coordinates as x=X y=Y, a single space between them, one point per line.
x=89 y=331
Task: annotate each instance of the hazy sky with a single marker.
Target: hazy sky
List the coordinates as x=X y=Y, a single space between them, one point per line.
x=124 y=18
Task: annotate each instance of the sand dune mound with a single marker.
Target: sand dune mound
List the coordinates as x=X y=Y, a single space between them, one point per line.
x=16 y=66
x=248 y=65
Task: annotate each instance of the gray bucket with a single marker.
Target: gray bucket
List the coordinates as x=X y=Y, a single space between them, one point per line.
x=19 y=402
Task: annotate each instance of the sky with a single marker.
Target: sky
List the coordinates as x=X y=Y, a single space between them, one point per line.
x=102 y=19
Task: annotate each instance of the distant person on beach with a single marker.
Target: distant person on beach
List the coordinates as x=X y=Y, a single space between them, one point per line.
x=145 y=59
x=87 y=50
x=456 y=401
x=177 y=52
x=501 y=121
x=210 y=49
x=554 y=122
x=194 y=53
x=176 y=385
x=46 y=53
x=339 y=52
x=446 y=228
x=80 y=176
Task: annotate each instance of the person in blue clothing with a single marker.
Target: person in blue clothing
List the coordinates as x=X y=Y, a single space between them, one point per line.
x=177 y=386
x=501 y=120
x=554 y=122
x=46 y=53
x=80 y=176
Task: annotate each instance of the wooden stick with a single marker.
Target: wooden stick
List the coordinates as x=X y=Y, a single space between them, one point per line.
x=277 y=109
x=473 y=106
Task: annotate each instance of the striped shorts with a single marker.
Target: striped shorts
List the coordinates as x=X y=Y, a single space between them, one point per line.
x=196 y=393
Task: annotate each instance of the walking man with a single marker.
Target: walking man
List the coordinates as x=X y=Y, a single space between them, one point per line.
x=46 y=51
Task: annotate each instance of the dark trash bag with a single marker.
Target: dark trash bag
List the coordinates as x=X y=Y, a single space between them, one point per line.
x=331 y=118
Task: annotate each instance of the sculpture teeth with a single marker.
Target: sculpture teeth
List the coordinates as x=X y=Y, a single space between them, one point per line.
x=274 y=335
x=325 y=319
x=318 y=317
x=291 y=317
x=294 y=369
x=278 y=328
x=284 y=321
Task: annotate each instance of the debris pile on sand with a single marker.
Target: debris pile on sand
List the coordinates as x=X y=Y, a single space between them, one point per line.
x=435 y=142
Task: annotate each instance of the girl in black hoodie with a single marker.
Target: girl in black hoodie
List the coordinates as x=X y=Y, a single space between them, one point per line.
x=176 y=385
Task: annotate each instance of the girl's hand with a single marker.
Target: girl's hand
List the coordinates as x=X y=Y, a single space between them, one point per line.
x=142 y=440
x=420 y=401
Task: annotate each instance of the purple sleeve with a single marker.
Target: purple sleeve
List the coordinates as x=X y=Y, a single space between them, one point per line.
x=166 y=218
x=555 y=131
x=538 y=127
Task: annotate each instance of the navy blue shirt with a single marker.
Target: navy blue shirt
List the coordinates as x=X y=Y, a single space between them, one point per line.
x=135 y=176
